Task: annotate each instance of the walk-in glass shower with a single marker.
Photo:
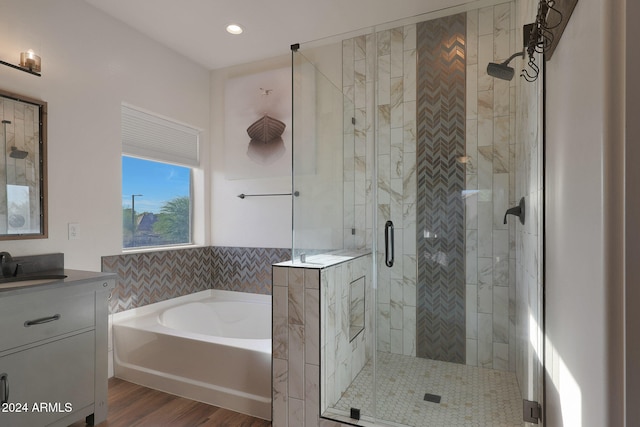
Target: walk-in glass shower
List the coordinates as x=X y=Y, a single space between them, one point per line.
x=408 y=155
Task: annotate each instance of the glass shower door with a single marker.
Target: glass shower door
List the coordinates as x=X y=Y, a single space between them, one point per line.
x=459 y=311
x=420 y=153
x=325 y=206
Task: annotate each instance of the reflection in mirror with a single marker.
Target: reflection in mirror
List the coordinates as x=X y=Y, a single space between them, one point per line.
x=22 y=167
x=356 y=308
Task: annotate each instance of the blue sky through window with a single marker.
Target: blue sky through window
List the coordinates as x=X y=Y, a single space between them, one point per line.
x=157 y=182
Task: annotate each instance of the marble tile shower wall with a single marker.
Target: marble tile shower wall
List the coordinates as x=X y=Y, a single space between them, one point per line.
x=148 y=277
x=490 y=184
x=390 y=57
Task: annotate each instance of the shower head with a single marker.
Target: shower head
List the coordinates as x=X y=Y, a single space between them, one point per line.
x=502 y=71
x=18 y=154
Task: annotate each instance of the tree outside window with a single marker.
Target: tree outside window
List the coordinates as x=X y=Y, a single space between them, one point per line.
x=156 y=208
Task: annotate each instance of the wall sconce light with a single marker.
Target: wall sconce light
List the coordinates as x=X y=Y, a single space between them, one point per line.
x=30 y=60
x=29 y=63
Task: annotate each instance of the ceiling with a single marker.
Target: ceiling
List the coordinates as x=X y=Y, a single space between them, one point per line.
x=196 y=28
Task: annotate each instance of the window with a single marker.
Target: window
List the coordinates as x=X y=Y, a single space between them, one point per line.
x=156 y=203
x=157 y=160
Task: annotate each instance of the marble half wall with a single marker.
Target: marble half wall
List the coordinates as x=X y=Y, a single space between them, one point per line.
x=297 y=339
x=343 y=357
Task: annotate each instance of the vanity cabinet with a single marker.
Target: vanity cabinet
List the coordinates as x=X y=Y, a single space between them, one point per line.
x=53 y=353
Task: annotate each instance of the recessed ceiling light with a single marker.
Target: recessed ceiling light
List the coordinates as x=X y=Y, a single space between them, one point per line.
x=234 y=29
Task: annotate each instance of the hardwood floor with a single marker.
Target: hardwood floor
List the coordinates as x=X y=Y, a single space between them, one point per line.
x=133 y=405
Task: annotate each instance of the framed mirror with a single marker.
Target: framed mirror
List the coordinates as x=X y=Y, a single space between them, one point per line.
x=23 y=184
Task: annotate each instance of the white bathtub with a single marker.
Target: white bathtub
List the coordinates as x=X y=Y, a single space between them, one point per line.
x=212 y=346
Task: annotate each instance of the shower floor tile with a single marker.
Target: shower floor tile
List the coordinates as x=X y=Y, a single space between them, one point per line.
x=470 y=396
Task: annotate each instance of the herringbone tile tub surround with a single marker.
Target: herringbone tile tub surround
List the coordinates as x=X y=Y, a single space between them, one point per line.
x=149 y=277
x=245 y=269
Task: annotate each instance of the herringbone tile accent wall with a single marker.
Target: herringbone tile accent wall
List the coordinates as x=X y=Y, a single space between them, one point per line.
x=148 y=277
x=441 y=118
x=245 y=269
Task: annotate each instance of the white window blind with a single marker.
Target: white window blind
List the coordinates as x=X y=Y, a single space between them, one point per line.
x=155 y=138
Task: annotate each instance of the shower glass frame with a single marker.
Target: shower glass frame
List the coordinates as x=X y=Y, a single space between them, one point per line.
x=321 y=112
x=318 y=185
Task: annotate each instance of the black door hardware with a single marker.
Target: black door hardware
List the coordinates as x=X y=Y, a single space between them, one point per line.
x=388 y=244
x=517 y=211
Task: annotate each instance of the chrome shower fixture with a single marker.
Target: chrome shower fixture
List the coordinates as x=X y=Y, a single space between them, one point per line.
x=502 y=70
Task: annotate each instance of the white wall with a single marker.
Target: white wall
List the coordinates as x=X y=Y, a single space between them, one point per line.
x=251 y=222
x=581 y=278
x=633 y=212
x=264 y=221
x=90 y=65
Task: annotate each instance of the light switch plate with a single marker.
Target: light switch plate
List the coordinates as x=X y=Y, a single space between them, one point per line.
x=74 y=231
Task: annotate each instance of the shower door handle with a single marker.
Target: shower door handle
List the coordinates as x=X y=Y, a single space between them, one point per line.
x=388 y=244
